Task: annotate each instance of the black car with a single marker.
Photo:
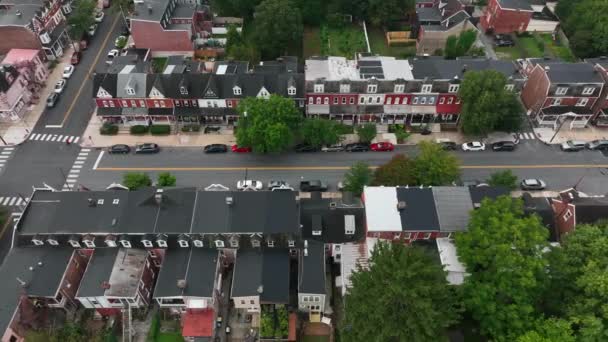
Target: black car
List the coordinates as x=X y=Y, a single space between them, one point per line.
x=305 y=148
x=358 y=147
x=147 y=148
x=216 y=148
x=503 y=146
x=448 y=145
x=119 y=148
x=504 y=43
x=313 y=185
x=52 y=100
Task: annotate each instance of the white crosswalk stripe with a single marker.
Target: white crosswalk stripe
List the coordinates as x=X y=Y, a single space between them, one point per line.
x=72 y=178
x=526 y=136
x=13 y=201
x=5 y=154
x=60 y=138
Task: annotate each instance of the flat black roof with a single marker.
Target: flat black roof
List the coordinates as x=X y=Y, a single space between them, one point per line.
x=419 y=212
x=98 y=271
x=312 y=269
x=332 y=219
x=262 y=270
x=197 y=266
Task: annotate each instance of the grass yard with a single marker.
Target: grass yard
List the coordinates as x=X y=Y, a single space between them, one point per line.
x=508 y=53
x=312 y=42
x=377 y=42
x=556 y=48
x=531 y=47
x=315 y=339
x=158 y=64
x=345 y=41
x=169 y=337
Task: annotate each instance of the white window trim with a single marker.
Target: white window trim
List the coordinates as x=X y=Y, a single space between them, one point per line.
x=37 y=242
x=442 y=100
x=219 y=244
x=345 y=88
x=111 y=243
x=450 y=100
x=556 y=101
x=415 y=100
x=432 y=100
x=426 y=236
x=147 y=243
x=453 y=88
x=183 y=243
x=197 y=243
x=255 y=243
x=567 y=215
x=509 y=87
x=237 y=91
x=561 y=90
x=270 y=243
x=319 y=88
x=126 y=244
x=423 y=100
x=89 y=243
x=162 y=243
x=291 y=243
x=291 y=91
x=372 y=88
x=588 y=90
x=426 y=88
x=582 y=102
x=317 y=232
x=53 y=242
x=399 y=88
x=75 y=244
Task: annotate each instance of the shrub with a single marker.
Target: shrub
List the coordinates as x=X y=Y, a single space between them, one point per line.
x=191 y=128
x=401 y=136
x=344 y=129
x=166 y=179
x=121 y=42
x=108 y=129
x=134 y=180
x=139 y=129
x=160 y=129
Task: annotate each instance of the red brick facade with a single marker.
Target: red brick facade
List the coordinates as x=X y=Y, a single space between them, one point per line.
x=18 y=38
x=502 y=20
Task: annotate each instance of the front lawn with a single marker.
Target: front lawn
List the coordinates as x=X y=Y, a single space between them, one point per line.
x=377 y=42
x=508 y=53
x=343 y=41
x=531 y=46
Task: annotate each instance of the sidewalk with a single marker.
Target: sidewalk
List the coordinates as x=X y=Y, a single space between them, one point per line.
x=15 y=133
x=585 y=134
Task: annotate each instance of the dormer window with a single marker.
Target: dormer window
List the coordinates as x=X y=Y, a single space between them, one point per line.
x=51 y=240
x=453 y=88
x=130 y=91
x=147 y=243
x=74 y=242
x=509 y=87
x=399 y=88
x=219 y=243
x=291 y=91
x=237 y=91
x=234 y=242
x=345 y=88
x=89 y=243
x=561 y=90
x=372 y=88
x=161 y=241
x=319 y=88
x=197 y=243
x=270 y=243
x=291 y=243
x=182 y=240
x=426 y=88
x=588 y=90
x=183 y=90
x=110 y=241
x=349 y=224
x=36 y=240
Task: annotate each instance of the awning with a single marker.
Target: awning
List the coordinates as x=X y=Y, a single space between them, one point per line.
x=187 y=111
x=160 y=111
x=424 y=109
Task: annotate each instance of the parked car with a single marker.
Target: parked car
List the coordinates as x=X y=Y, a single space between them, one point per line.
x=504 y=43
x=447 y=145
x=68 y=71
x=119 y=149
x=532 y=184
x=59 y=86
x=333 y=148
x=75 y=57
x=313 y=185
x=503 y=146
x=573 y=145
x=249 y=184
x=111 y=55
x=275 y=184
x=474 y=146
x=305 y=148
x=212 y=129
x=502 y=37
x=215 y=148
x=382 y=147
x=92 y=30
x=240 y=149
x=99 y=16
x=147 y=148
x=357 y=147
x=599 y=144
x=52 y=100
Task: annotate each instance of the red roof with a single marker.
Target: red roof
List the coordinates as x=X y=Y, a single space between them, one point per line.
x=198 y=323
x=18 y=55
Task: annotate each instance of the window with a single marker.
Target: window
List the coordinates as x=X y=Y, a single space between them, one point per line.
x=426 y=88
x=509 y=87
x=378 y=99
x=183 y=243
x=567 y=215
x=162 y=243
x=116 y=201
x=561 y=91
x=255 y=243
x=450 y=100
x=156 y=262
x=134 y=103
x=89 y=243
x=362 y=100
x=38 y=242
x=370 y=100
x=147 y=243
x=124 y=103
x=404 y=101
x=291 y=243
x=237 y=91
x=345 y=88
x=588 y=90
x=156 y=104
x=305 y=298
x=407 y=236
x=326 y=101
x=125 y=243
x=142 y=103
x=335 y=100
x=152 y=253
x=423 y=100
x=242 y=302
x=130 y=91
x=399 y=88
x=352 y=100
x=301 y=103
x=271 y=243
x=100 y=201
x=343 y=100
x=234 y=243
x=252 y=302
x=556 y=101
x=291 y=91
x=427 y=235
x=415 y=100
x=219 y=243
x=319 y=88
x=453 y=88
x=316 y=299
x=442 y=100
x=311 y=100
x=112 y=104
x=229 y=104
x=162 y=104
x=319 y=100
x=389 y=100
x=582 y=102
x=183 y=90
x=111 y=243
x=431 y=100
x=198 y=243
x=397 y=100
x=105 y=103
x=457 y=100
x=372 y=88
x=52 y=242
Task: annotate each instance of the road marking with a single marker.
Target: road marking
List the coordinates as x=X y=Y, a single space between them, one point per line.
x=13 y=200
x=85 y=150
x=89 y=72
x=7 y=152
x=71 y=180
x=74 y=171
x=6 y=200
x=98 y=160
x=43 y=136
x=339 y=168
x=9 y=148
x=79 y=162
x=81 y=158
x=2 y=156
x=77 y=167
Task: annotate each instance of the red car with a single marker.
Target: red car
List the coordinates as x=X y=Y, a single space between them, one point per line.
x=75 y=58
x=240 y=149
x=382 y=147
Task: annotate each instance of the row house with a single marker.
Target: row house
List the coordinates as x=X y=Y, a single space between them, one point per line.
x=556 y=92
x=417 y=213
x=311 y=281
x=572 y=207
x=600 y=109
x=34 y=25
x=22 y=75
x=37 y=281
x=506 y=16
x=433 y=25
x=182 y=98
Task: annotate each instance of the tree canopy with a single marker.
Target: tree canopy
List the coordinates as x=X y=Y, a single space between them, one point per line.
x=366 y=132
x=278 y=25
x=136 y=180
x=319 y=132
x=357 y=177
x=238 y=48
x=457 y=46
x=587 y=31
x=504 y=178
x=383 y=12
x=81 y=18
x=267 y=125
x=166 y=179
x=502 y=251
x=404 y=296
x=435 y=166
x=397 y=171
x=487 y=105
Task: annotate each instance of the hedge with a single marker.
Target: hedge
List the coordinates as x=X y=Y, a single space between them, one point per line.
x=108 y=129
x=160 y=129
x=139 y=129
x=191 y=128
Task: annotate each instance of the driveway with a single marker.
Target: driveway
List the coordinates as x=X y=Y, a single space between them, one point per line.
x=488 y=44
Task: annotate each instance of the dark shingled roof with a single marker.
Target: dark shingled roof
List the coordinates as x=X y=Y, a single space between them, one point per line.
x=332 y=219
x=419 y=213
x=590 y=209
x=312 y=269
x=262 y=269
x=444 y=69
x=522 y=5
x=562 y=72
x=479 y=193
x=196 y=265
x=98 y=271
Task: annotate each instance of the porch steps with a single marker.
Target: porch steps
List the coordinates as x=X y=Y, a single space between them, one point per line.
x=127 y=332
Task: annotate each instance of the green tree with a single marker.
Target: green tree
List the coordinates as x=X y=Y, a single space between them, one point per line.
x=397 y=171
x=504 y=178
x=267 y=125
x=383 y=12
x=487 y=105
x=69 y=333
x=136 y=180
x=457 y=46
x=357 y=177
x=379 y=307
x=278 y=26
x=319 y=132
x=234 y=8
x=435 y=166
x=502 y=251
x=82 y=17
x=233 y=39
x=313 y=11
x=550 y=330
x=586 y=29
x=166 y=179
x=366 y=132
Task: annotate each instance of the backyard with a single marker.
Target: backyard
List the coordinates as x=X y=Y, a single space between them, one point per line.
x=343 y=41
x=377 y=42
x=535 y=45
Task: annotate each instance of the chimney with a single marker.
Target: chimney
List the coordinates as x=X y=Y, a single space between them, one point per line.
x=181 y=284
x=158 y=196
x=401 y=205
x=464 y=68
x=229 y=200
x=149 y=8
x=260 y=289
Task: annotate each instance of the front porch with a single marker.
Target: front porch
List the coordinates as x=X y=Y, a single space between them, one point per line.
x=567 y=117
x=408 y=119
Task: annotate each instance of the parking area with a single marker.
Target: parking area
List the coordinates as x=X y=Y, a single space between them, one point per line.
x=530 y=45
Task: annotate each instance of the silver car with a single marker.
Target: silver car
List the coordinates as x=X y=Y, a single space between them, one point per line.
x=333 y=148
x=573 y=145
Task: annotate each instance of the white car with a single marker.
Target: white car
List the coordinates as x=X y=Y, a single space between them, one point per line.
x=68 y=71
x=92 y=30
x=99 y=16
x=113 y=53
x=474 y=146
x=533 y=184
x=249 y=184
x=59 y=86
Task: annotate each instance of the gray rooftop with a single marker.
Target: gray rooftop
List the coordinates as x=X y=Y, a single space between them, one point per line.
x=522 y=5
x=562 y=72
x=312 y=269
x=439 y=68
x=135 y=81
x=197 y=266
x=27 y=8
x=150 y=10
x=126 y=272
x=98 y=271
x=453 y=205
x=263 y=272
x=428 y=14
